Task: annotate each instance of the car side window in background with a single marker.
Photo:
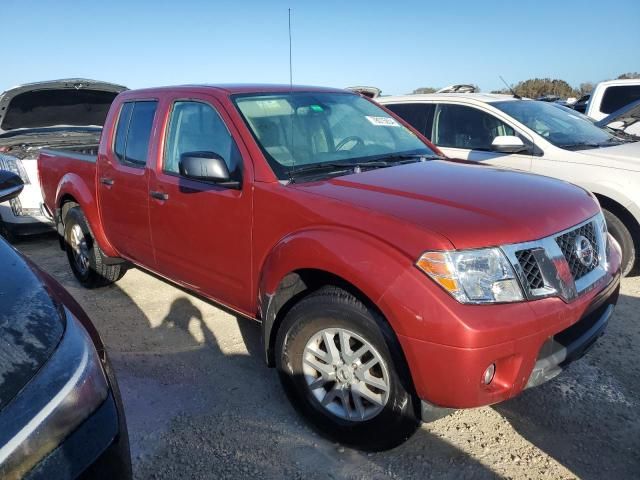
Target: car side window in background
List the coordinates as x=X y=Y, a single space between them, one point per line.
x=616 y=97
x=459 y=126
x=139 y=133
x=418 y=115
x=120 y=141
x=197 y=127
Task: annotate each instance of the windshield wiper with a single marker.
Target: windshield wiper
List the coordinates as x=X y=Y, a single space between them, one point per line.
x=338 y=166
x=356 y=167
x=579 y=146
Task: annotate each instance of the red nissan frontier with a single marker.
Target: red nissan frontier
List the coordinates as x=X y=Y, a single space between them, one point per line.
x=392 y=284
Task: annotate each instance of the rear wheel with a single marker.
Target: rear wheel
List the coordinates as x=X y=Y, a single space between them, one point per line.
x=85 y=257
x=621 y=233
x=338 y=370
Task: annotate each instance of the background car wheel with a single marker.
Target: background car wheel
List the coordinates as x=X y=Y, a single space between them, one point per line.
x=621 y=233
x=85 y=258
x=338 y=370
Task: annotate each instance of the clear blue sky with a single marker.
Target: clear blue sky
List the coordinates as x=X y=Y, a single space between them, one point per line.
x=397 y=46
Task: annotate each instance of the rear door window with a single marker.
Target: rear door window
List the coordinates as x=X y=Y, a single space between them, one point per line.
x=459 y=126
x=616 y=97
x=418 y=115
x=133 y=132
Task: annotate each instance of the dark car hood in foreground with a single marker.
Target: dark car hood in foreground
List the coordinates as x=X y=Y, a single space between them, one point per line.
x=70 y=102
x=471 y=205
x=30 y=325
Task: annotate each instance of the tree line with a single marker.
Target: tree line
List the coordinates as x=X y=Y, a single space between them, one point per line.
x=539 y=87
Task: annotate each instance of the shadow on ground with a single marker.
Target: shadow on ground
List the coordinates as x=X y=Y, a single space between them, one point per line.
x=587 y=418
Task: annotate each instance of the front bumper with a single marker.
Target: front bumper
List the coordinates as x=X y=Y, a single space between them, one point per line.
x=448 y=345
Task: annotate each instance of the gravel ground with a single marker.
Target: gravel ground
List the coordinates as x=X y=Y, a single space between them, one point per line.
x=200 y=402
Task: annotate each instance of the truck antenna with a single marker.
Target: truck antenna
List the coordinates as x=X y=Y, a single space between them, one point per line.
x=290 y=61
x=513 y=92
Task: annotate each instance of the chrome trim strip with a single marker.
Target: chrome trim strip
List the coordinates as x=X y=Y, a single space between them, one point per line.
x=68 y=388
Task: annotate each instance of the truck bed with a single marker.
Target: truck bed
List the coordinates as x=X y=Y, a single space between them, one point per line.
x=77 y=163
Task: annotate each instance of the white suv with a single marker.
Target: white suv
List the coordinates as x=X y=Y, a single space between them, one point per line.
x=538 y=137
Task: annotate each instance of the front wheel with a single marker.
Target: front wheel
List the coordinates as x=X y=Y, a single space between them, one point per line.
x=338 y=370
x=621 y=233
x=85 y=257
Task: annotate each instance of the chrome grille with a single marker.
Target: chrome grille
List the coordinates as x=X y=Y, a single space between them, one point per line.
x=530 y=269
x=567 y=242
x=549 y=266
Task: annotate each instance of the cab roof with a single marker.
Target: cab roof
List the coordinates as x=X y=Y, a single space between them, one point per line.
x=240 y=88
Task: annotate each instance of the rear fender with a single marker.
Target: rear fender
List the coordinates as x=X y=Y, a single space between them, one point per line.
x=72 y=185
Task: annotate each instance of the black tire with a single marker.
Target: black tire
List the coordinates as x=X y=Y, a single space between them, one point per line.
x=97 y=273
x=330 y=308
x=621 y=233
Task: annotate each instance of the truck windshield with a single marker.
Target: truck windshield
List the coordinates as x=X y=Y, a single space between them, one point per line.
x=561 y=126
x=297 y=130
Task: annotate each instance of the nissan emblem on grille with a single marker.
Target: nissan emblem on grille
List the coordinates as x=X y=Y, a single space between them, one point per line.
x=584 y=250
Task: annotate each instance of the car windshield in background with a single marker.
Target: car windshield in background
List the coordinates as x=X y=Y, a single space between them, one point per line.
x=561 y=126
x=300 y=130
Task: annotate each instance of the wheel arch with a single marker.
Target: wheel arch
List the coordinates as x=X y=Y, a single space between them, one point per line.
x=73 y=188
x=310 y=260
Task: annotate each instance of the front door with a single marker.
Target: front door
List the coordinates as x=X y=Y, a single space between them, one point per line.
x=466 y=132
x=123 y=180
x=202 y=231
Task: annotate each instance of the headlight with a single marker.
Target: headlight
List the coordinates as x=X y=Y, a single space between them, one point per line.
x=66 y=390
x=14 y=165
x=473 y=276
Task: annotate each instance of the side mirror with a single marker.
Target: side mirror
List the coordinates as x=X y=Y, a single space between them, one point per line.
x=507 y=144
x=207 y=167
x=11 y=185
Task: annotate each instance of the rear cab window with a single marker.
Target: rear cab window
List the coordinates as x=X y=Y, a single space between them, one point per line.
x=618 y=96
x=133 y=132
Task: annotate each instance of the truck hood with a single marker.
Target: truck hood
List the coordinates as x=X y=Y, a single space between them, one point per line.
x=69 y=102
x=30 y=325
x=471 y=205
x=625 y=156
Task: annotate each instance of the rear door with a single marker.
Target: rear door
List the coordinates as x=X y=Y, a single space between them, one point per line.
x=123 y=180
x=202 y=231
x=466 y=132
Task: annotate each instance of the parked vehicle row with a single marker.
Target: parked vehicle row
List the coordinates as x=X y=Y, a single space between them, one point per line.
x=538 y=137
x=60 y=410
x=391 y=284
x=65 y=113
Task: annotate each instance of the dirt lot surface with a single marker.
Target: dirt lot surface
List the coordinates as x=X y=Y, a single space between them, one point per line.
x=200 y=402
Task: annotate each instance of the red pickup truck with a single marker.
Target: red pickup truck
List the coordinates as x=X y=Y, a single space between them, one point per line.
x=391 y=283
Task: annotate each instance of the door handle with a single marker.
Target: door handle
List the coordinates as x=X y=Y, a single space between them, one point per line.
x=159 y=195
x=106 y=181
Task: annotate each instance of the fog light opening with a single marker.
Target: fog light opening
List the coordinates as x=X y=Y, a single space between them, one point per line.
x=489 y=373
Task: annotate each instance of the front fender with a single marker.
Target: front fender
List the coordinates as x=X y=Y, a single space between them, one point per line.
x=369 y=264
x=73 y=185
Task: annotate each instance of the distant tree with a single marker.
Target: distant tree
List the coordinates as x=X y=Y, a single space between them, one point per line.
x=585 y=88
x=538 y=87
x=629 y=75
x=425 y=90
x=502 y=91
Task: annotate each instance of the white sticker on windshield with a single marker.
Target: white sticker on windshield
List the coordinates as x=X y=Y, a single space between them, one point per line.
x=382 y=121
